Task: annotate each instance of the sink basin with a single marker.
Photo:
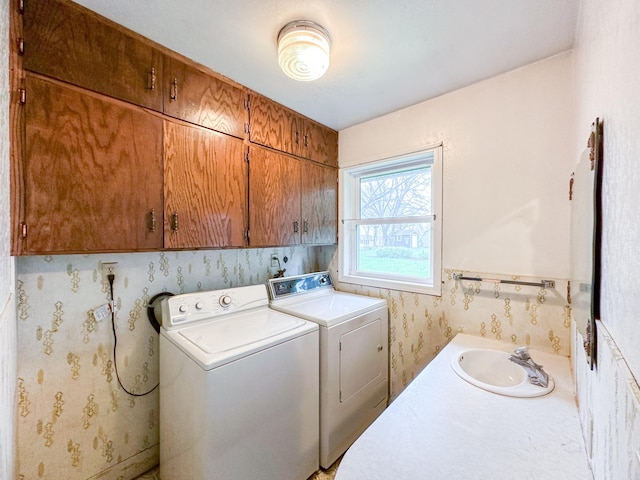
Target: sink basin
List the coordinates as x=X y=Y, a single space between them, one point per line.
x=492 y=371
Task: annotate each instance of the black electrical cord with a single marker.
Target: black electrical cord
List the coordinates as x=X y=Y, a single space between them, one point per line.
x=111 y=278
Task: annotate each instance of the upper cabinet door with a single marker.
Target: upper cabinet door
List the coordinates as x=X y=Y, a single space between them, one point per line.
x=72 y=44
x=273 y=125
x=93 y=172
x=200 y=98
x=205 y=188
x=274 y=198
x=319 y=204
x=319 y=143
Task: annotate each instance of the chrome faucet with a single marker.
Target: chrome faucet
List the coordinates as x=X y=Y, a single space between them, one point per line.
x=537 y=375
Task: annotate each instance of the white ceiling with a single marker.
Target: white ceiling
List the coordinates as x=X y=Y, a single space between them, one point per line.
x=386 y=54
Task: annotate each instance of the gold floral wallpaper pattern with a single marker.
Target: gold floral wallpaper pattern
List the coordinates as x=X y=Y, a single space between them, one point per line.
x=75 y=422
x=73 y=419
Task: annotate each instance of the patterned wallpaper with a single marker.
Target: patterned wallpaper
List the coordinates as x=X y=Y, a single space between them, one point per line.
x=74 y=421
x=421 y=325
x=609 y=408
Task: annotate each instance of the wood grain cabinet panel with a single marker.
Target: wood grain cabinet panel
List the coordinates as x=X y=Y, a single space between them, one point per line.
x=200 y=98
x=69 y=43
x=205 y=188
x=319 y=143
x=291 y=201
x=93 y=172
x=280 y=128
x=319 y=204
x=274 y=198
x=273 y=125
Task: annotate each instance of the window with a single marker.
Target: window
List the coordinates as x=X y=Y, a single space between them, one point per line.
x=391 y=227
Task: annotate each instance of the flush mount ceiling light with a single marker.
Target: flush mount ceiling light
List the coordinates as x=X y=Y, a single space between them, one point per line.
x=303 y=50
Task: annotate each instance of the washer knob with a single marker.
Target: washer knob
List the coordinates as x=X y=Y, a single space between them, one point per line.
x=323 y=280
x=199 y=306
x=225 y=301
x=182 y=308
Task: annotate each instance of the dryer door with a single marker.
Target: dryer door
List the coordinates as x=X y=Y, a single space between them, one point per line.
x=362 y=358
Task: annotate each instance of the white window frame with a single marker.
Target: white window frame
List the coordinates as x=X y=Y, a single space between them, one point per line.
x=349 y=219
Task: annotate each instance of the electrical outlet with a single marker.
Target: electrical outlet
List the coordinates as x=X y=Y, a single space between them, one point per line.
x=109 y=268
x=102 y=312
x=275 y=263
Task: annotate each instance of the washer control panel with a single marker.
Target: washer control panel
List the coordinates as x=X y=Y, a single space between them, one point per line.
x=300 y=284
x=193 y=307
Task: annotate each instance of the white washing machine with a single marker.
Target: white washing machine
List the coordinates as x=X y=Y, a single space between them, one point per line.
x=354 y=346
x=239 y=395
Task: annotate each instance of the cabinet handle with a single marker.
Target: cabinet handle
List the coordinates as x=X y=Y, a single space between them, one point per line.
x=152 y=79
x=306 y=140
x=152 y=220
x=297 y=138
x=174 y=89
x=174 y=221
x=305 y=227
x=296 y=227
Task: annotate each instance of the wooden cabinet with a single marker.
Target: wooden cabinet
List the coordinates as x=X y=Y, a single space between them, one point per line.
x=205 y=190
x=319 y=204
x=319 y=143
x=280 y=128
x=69 y=43
x=272 y=125
x=200 y=98
x=87 y=150
x=291 y=201
x=92 y=173
x=274 y=198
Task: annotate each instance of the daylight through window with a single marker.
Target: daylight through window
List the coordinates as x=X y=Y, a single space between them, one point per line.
x=391 y=217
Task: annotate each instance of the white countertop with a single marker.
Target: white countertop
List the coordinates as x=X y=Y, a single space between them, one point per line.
x=441 y=427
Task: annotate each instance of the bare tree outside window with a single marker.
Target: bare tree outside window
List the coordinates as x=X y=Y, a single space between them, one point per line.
x=391 y=227
x=396 y=247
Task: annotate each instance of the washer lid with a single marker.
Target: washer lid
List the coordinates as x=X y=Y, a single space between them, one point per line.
x=225 y=334
x=227 y=338
x=329 y=308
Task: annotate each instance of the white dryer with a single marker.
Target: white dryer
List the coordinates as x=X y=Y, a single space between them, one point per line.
x=239 y=392
x=354 y=346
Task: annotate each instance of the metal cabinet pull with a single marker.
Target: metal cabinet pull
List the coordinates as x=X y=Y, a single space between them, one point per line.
x=296 y=227
x=297 y=138
x=152 y=220
x=174 y=221
x=174 y=89
x=152 y=79
x=306 y=140
x=305 y=227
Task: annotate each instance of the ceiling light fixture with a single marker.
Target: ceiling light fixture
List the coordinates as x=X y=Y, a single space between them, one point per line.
x=303 y=50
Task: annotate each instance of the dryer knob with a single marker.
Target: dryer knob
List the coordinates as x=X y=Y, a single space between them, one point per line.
x=182 y=308
x=225 y=301
x=199 y=306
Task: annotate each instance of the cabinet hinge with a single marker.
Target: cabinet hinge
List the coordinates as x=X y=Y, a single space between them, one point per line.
x=24 y=230
x=21 y=6
x=571 y=187
x=23 y=96
x=21 y=46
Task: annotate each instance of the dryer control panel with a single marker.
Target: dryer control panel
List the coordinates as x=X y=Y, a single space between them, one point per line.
x=300 y=284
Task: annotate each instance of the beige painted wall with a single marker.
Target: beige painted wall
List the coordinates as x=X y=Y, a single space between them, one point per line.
x=607 y=66
x=507 y=162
